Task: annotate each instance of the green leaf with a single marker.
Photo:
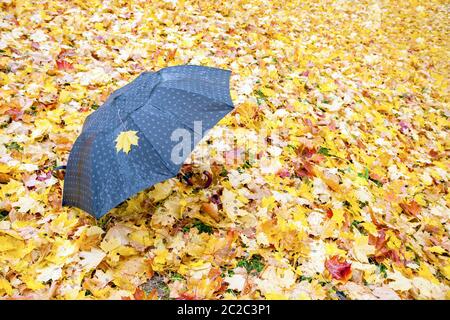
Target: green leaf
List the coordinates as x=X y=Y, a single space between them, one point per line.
x=14 y=146
x=254 y=263
x=304 y=278
x=224 y=172
x=231 y=291
x=356 y=223
x=292 y=147
x=364 y=174
x=382 y=269
x=378 y=183
x=324 y=151
x=176 y=276
x=260 y=96
x=203 y=228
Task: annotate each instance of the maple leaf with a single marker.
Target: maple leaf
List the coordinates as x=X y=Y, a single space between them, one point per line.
x=361 y=248
x=400 y=283
x=338 y=268
x=125 y=140
x=305 y=169
x=90 y=259
x=15 y=113
x=412 y=208
x=64 y=65
x=161 y=191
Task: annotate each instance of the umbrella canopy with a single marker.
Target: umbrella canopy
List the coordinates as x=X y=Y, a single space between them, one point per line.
x=155 y=104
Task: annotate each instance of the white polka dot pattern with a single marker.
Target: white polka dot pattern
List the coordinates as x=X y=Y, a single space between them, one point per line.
x=98 y=178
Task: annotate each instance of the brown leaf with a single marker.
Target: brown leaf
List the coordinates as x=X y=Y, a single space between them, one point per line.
x=305 y=169
x=4 y=177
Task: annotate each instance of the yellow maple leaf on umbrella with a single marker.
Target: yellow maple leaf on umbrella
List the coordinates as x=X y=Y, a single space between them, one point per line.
x=125 y=139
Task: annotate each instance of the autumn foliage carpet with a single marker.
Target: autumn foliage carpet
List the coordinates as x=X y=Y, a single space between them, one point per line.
x=348 y=199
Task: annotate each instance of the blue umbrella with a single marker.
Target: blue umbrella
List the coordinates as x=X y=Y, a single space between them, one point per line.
x=155 y=105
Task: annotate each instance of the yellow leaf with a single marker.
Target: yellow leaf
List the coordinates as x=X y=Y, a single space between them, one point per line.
x=425 y=272
x=161 y=191
x=125 y=139
x=4 y=284
x=446 y=271
x=5 y=168
x=9 y=243
x=99 y=26
x=371 y=228
x=32 y=283
x=110 y=245
x=55 y=115
x=65 y=96
x=268 y=202
x=328 y=86
x=394 y=242
x=124 y=251
x=419 y=198
x=275 y=296
x=160 y=259
x=332 y=249
x=362 y=249
x=437 y=249
x=42 y=126
x=142 y=237
x=268 y=92
x=338 y=217
x=242 y=199
x=94 y=231
x=303 y=296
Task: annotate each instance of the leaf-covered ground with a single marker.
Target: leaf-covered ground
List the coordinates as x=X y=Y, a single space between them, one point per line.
x=347 y=198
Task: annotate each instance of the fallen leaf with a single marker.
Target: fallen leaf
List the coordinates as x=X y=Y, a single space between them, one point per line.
x=339 y=268
x=125 y=140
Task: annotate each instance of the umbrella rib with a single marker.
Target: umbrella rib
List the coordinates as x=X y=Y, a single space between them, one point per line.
x=176 y=117
x=183 y=75
x=160 y=85
x=212 y=99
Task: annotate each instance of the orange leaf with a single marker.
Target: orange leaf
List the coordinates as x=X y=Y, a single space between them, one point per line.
x=171 y=54
x=329 y=213
x=412 y=208
x=187 y=296
x=139 y=294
